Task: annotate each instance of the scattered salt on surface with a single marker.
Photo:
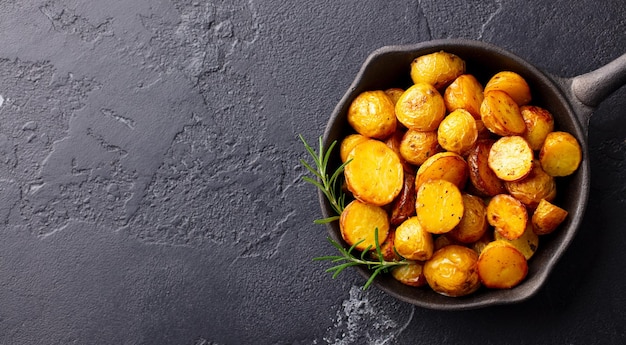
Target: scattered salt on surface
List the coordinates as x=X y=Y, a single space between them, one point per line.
x=1 y=100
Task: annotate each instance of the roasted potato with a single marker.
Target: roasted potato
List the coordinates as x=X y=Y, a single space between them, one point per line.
x=393 y=142
x=535 y=186
x=465 y=92
x=501 y=115
x=501 y=266
x=539 y=122
x=507 y=215
x=412 y=241
x=457 y=132
x=394 y=94
x=511 y=83
x=452 y=271
x=421 y=108
x=444 y=240
x=375 y=174
x=417 y=146
x=372 y=114
x=348 y=143
x=547 y=217
x=527 y=244
x=510 y=158
x=387 y=248
x=359 y=221
x=473 y=224
x=403 y=206
x=438 y=69
x=439 y=206
x=411 y=274
x=560 y=154
x=443 y=165
x=483 y=179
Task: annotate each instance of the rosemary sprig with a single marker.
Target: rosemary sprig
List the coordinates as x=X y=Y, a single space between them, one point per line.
x=347 y=259
x=327 y=184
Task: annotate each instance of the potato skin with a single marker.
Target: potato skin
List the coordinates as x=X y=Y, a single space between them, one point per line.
x=348 y=143
x=359 y=220
x=403 y=206
x=411 y=274
x=443 y=165
x=474 y=223
x=535 y=186
x=375 y=174
x=465 y=92
x=511 y=83
x=547 y=217
x=437 y=69
x=452 y=271
x=372 y=114
x=484 y=180
x=527 y=244
x=501 y=115
x=412 y=241
x=539 y=122
x=421 y=108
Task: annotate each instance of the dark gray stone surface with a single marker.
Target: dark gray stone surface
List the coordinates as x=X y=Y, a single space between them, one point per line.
x=150 y=190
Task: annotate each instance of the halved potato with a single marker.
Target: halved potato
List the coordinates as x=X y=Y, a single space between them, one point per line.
x=348 y=143
x=465 y=92
x=527 y=244
x=421 y=107
x=372 y=114
x=501 y=115
x=511 y=158
x=359 y=221
x=411 y=274
x=439 y=206
x=511 y=83
x=403 y=206
x=443 y=165
x=374 y=174
x=547 y=217
x=457 y=132
x=484 y=180
x=417 y=146
x=501 y=266
x=507 y=215
x=473 y=224
x=438 y=69
x=539 y=122
x=535 y=186
x=561 y=154
x=452 y=271
x=412 y=241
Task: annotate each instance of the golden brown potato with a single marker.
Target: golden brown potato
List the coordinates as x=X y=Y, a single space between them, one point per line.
x=411 y=274
x=473 y=224
x=507 y=215
x=443 y=165
x=539 y=122
x=403 y=206
x=457 y=132
x=438 y=69
x=394 y=94
x=439 y=206
x=421 y=108
x=547 y=217
x=511 y=83
x=484 y=180
x=417 y=146
x=452 y=271
x=561 y=154
x=443 y=240
x=387 y=248
x=501 y=266
x=372 y=114
x=358 y=222
x=535 y=186
x=465 y=92
x=393 y=142
x=479 y=245
x=348 y=143
x=510 y=158
x=412 y=241
x=374 y=174
x=527 y=244
x=501 y=115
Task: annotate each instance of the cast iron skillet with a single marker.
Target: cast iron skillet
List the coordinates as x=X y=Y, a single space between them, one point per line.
x=570 y=100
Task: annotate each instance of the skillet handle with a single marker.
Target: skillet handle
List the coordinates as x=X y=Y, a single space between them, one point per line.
x=593 y=87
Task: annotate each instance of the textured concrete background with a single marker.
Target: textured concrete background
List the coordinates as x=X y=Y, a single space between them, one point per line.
x=150 y=190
